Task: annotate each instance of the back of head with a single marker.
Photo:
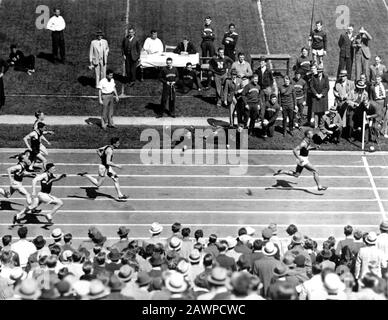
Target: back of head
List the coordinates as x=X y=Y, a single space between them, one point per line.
x=208 y=260
x=291 y=229
x=176 y=227
x=283 y=291
x=186 y=232
x=22 y=232
x=6 y=240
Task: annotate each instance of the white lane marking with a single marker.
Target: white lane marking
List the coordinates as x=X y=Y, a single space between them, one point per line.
x=373 y=184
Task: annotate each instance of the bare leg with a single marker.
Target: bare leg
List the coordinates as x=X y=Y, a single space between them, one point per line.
x=43 y=159
x=25 y=193
x=117 y=186
x=58 y=203
x=315 y=173
x=287 y=173
x=97 y=182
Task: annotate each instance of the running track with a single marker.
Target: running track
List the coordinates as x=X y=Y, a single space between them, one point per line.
x=206 y=196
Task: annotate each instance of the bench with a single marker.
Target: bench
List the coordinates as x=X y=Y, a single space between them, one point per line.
x=273 y=57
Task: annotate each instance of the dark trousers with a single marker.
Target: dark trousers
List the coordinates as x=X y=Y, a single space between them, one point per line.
x=345 y=64
x=185 y=86
x=58 y=40
x=269 y=129
x=300 y=115
x=130 y=69
x=2 y=93
x=251 y=114
x=28 y=63
x=208 y=47
x=288 y=112
x=230 y=52
x=168 y=97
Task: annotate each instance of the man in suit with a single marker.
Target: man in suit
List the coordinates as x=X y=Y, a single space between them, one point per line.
x=98 y=56
x=131 y=52
x=376 y=69
x=362 y=52
x=3 y=70
x=223 y=260
x=331 y=126
x=185 y=47
x=345 y=44
x=266 y=80
x=232 y=88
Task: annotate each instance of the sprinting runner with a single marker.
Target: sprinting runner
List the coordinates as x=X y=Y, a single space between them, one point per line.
x=16 y=174
x=33 y=142
x=105 y=169
x=301 y=153
x=46 y=180
x=39 y=115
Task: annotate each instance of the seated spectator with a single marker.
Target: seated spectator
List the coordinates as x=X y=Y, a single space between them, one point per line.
x=155 y=230
x=188 y=79
x=231 y=246
x=217 y=280
x=201 y=279
x=185 y=47
x=326 y=256
x=243 y=69
x=114 y=262
x=223 y=260
x=57 y=236
x=20 y=62
x=330 y=127
x=153 y=45
x=212 y=247
x=283 y=291
x=268 y=115
x=123 y=242
x=368 y=288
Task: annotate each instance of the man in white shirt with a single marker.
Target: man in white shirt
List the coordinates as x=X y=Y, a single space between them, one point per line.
x=98 y=56
x=23 y=247
x=153 y=44
x=107 y=93
x=56 y=25
x=382 y=239
x=243 y=68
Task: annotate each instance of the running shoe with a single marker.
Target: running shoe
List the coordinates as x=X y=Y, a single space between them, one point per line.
x=123 y=197
x=82 y=174
x=34 y=211
x=322 y=188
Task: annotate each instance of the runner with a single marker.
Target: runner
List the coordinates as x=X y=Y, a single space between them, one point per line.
x=46 y=180
x=16 y=174
x=301 y=153
x=105 y=168
x=39 y=115
x=33 y=142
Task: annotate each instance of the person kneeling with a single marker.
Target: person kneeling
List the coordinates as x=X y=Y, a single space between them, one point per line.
x=268 y=116
x=331 y=126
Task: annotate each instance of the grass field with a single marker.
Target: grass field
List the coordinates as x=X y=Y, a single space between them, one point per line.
x=207 y=196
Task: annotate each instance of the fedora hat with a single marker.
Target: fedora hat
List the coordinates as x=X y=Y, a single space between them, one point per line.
x=97 y=290
x=183 y=267
x=63 y=287
x=115 y=284
x=114 y=255
x=56 y=233
x=360 y=84
x=280 y=271
x=218 y=276
x=250 y=231
x=175 y=244
x=125 y=273
x=28 y=289
x=274 y=228
x=156 y=228
x=288 y=260
x=81 y=288
x=297 y=238
x=176 y=283
x=156 y=260
x=39 y=242
x=123 y=231
x=195 y=256
x=343 y=73
x=49 y=294
x=244 y=238
x=384 y=225
x=99 y=32
x=232 y=242
x=16 y=274
x=143 y=279
x=333 y=284
x=270 y=249
x=371 y=238
x=267 y=233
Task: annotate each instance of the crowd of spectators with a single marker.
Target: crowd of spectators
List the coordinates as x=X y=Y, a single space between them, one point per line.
x=181 y=265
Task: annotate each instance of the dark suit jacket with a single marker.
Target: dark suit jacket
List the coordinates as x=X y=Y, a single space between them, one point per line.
x=346 y=46
x=264 y=269
x=131 y=49
x=190 y=48
x=226 y=262
x=266 y=79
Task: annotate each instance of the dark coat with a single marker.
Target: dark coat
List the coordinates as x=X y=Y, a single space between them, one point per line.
x=131 y=49
x=320 y=87
x=226 y=262
x=264 y=269
x=266 y=79
x=346 y=46
x=190 y=48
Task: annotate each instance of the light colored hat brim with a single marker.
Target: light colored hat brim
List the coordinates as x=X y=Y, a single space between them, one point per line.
x=100 y=295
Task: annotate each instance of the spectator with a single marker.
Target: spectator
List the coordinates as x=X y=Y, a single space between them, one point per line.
x=283 y=291
x=155 y=230
x=153 y=45
x=212 y=246
x=303 y=63
x=379 y=96
x=202 y=279
x=266 y=79
x=230 y=42
x=123 y=242
x=240 y=282
x=196 y=267
x=23 y=247
x=231 y=246
x=175 y=245
x=28 y=289
x=300 y=86
x=97 y=290
x=288 y=104
x=185 y=47
x=368 y=254
x=57 y=25
x=318 y=43
x=243 y=69
x=187 y=243
x=189 y=79
x=348 y=241
x=268 y=116
x=87 y=269
x=217 y=280
x=198 y=235
x=20 y=62
x=313 y=288
x=335 y=288
x=320 y=88
x=232 y=88
x=372 y=126
x=207 y=45
x=3 y=70
x=176 y=285
x=296 y=248
x=156 y=262
x=326 y=263
x=219 y=67
x=169 y=76
x=99 y=263
x=57 y=236
x=362 y=52
x=131 y=49
x=41 y=250
x=98 y=56
x=331 y=126
x=346 y=43
x=382 y=238
x=176 y=231
x=263 y=267
x=7 y=241
x=114 y=263
x=377 y=69
x=116 y=285
x=89 y=243
x=369 y=283
x=107 y=94
x=223 y=260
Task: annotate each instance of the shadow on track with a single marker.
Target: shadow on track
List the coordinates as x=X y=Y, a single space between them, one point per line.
x=287 y=185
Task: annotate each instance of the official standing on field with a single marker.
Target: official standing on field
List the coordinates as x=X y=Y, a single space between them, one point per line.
x=345 y=44
x=107 y=93
x=3 y=70
x=57 y=25
x=168 y=76
x=98 y=56
x=131 y=52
